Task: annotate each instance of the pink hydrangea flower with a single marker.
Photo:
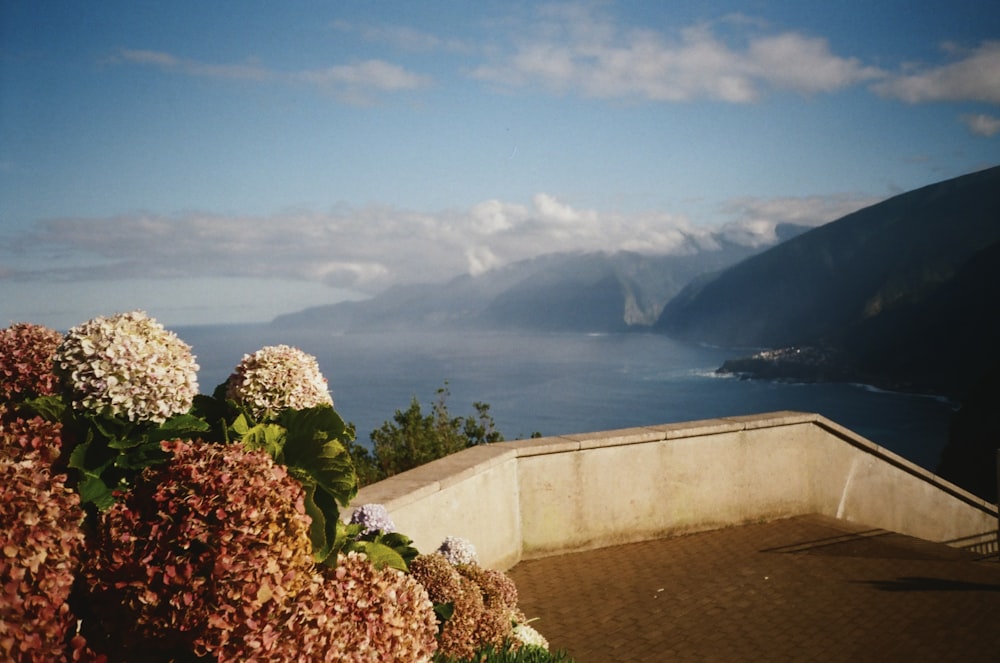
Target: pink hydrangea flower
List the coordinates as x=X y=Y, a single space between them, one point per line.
x=26 y=361
x=206 y=554
x=41 y=540
x=358 y=613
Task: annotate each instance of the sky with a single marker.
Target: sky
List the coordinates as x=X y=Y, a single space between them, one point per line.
x=223 y=162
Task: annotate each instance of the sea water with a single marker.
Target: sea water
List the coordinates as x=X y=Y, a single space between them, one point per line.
x=561 y=383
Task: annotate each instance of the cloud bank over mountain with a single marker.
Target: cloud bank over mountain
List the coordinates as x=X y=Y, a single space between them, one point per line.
x=369 y=248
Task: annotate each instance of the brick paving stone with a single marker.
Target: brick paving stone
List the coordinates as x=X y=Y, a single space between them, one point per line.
x=809 y=588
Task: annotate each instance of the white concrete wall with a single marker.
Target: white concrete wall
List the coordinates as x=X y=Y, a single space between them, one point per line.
x=472 y=494
x=532 y=498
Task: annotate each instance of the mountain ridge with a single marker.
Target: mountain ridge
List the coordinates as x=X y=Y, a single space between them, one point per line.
x=802 y=290
x=878 y=290
x=581 y=291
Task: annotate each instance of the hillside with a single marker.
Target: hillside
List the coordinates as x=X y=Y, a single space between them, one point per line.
x=902 y=293
x=589 y=292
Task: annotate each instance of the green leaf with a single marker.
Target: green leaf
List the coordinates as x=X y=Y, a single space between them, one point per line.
x=142 y=456
x=93 y=490
x=241 y=425
x=313 y=445
x=82 y=459
x=402 y=544
x=324 y=532
x=343 y=535
x=320 y=421
x=269 y=437
x=125 y=442
x=215 y=412
x=91 y=487
x=444 y=611
x=182 y=426
x=109 y=427
x=50 y=408
x=379 y=554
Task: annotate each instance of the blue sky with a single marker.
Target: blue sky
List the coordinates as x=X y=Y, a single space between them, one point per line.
x=229 y=161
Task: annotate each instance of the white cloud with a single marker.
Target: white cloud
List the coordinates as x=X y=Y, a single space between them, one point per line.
x=169 y=62
x=974 y=77
x=805 y=64
x=754 y=220
x=369 y=248
x=481 y=259
x=492 y=216
x=982 y=124
x=375 y=74
x=572 y=50
x=353 y=82
x=551 y=209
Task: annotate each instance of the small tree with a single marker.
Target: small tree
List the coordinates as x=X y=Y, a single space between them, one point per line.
x=413 y=438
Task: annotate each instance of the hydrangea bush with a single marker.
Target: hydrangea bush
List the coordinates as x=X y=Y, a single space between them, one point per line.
x=459 y=635
x=26 y=361
x=484 y=604
x=201 y=555
x=357 y=612
x=209 y=554
x=127 y=366
x=276 y=378
x=207 y=549
x=41 y=541
x=19 y=437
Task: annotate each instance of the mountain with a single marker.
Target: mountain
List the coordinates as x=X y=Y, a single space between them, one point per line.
x=970 y=456
x=592 y=292
x=903 y=292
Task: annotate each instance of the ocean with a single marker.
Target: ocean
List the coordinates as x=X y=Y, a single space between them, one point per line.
x=561 y=383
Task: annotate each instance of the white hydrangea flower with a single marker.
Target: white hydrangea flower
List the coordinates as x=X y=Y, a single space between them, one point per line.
x=128 y=365
x=278 y=377
x=529 y=636
x=458 y=551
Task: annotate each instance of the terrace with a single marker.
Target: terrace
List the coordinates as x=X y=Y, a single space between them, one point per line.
x=779 y=536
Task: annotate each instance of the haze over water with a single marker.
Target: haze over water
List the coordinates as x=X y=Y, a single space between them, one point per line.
x=555 y=383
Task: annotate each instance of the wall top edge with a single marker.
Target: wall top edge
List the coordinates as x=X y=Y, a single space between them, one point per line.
x=659 y=432
x=773 y=419
x=544 y=445
x=478 y=458
x=392 y=493
x=902 y=463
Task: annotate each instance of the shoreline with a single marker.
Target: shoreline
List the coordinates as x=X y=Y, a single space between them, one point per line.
x=812 y=364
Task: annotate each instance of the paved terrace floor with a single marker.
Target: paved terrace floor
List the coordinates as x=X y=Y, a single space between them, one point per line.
x=802 y=589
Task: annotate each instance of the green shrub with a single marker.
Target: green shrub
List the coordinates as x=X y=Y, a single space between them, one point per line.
x=508 y=654
x=413 y=438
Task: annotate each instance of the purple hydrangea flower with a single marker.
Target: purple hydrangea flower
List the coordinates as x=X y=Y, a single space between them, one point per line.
x=374 y=518
x=458 y=551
